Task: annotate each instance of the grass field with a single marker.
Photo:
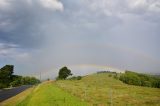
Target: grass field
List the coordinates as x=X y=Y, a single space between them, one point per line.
x=102 y=90
x=92 y=90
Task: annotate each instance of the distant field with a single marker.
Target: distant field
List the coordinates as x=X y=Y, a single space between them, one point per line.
x=92 y=90
x=102 y=90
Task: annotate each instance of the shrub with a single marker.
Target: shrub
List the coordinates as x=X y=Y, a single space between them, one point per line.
x=133 y=78
x=79 y=78
x=75 y=78
x=110 y=75
x=3 y=85
x=147 y=83
x=116 y=76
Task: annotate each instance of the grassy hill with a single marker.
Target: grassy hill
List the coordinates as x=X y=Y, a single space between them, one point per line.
x=92 y=90
x=103 y=90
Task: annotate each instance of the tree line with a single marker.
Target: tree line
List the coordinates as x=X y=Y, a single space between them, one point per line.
x=139 y=79
x=7 y=79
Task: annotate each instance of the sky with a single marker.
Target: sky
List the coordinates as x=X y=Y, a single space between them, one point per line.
x=41 y=36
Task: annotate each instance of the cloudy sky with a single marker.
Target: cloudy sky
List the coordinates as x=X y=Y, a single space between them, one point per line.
x=44 y=35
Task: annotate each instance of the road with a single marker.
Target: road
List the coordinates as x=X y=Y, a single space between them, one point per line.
x=7 y=93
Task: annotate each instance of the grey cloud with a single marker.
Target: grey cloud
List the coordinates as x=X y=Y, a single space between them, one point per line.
x=12 y=54
x=111 y=7
x=22 y=22
x=104 y=32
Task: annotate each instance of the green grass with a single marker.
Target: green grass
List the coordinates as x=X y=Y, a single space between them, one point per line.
x=47 y=94
x=92 y=90
x=102 y=90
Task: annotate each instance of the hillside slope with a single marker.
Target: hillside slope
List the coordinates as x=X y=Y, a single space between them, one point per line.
x=103 y=90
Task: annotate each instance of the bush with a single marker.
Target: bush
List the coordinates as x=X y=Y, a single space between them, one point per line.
x=147 y=83
x=75 y=78
x=133 y=78
x=116 y=76
x=79 y=78
x=110 y=75
x=3 y=85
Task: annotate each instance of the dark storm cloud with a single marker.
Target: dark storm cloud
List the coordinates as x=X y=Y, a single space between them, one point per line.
x=21 y=22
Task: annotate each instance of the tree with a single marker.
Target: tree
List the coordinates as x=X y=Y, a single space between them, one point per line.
x=6 y=75
x=8 y=79
x=30 y=80
x=16 y=80
x=64 y=72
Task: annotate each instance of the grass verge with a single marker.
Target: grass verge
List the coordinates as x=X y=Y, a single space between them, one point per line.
x=47 y=94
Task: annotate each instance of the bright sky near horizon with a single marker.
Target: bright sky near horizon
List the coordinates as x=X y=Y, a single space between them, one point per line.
x=41 y=35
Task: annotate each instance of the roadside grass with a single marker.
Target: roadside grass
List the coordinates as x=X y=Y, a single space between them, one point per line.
x=18 y=98
x=104 y=90
x=47 y=94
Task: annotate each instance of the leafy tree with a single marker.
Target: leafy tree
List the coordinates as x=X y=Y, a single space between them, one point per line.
x=30 y=80
x=8 y=79
x=64 y=72
x=6 y=75
x=16 y=81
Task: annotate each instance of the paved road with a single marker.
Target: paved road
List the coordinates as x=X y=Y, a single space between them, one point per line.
x=7 y=93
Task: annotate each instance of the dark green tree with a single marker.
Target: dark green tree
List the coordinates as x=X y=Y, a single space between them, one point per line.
x=30 y=80
x=6 y=75
x=64 y=73
x=16 y=81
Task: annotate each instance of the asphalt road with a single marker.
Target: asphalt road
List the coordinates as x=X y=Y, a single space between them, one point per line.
x=7 y=93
